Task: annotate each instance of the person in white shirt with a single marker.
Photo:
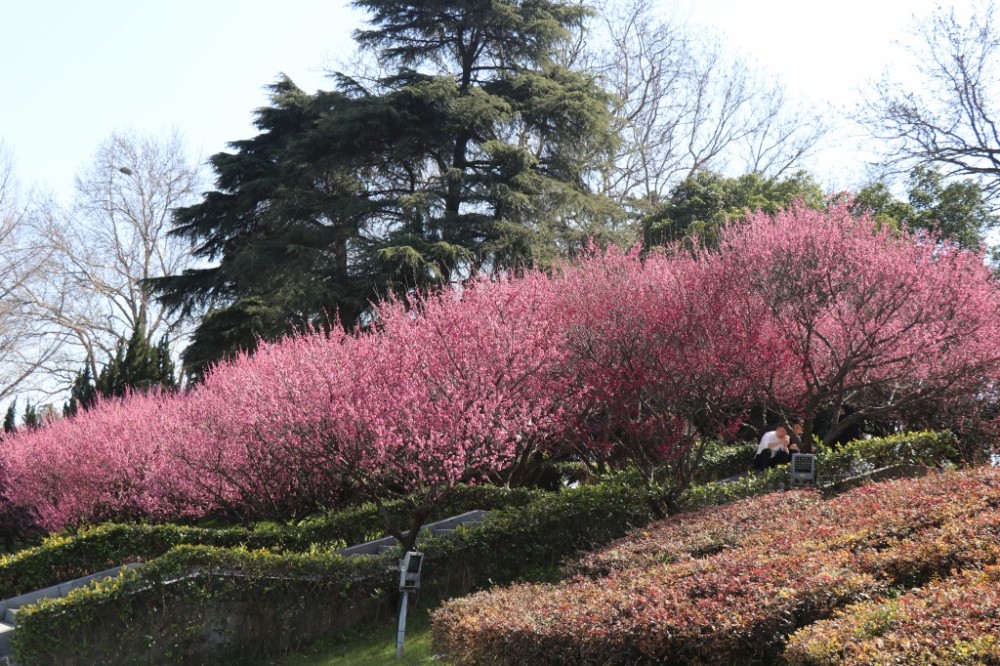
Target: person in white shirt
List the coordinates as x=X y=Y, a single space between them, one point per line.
x=774 y=449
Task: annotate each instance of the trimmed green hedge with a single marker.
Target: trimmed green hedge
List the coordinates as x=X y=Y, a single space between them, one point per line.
x=721 y=460
x=64 y=557
x=860 y=456
x=190 y=606
x=243 y=605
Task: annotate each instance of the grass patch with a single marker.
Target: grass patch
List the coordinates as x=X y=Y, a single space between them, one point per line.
x=374 y=645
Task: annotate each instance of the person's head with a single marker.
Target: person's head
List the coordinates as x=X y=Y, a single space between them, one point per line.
x=797 y=427
x=781 y=431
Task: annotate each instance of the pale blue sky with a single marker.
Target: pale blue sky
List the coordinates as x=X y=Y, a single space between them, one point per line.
x=71 y=72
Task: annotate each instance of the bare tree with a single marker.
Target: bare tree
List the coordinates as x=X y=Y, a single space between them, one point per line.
x=24 y=347
x=948 y=120
x=102 y=248
x=683 y=105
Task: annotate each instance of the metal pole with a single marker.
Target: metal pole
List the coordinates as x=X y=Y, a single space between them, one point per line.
x=401 y=630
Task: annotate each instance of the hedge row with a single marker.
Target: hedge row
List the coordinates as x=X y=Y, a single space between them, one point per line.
x=721 y=460
x=735 y=606
x=954 y=621
x=183 y=606
x=64 y=557
x=910 y=448
x=149 y=614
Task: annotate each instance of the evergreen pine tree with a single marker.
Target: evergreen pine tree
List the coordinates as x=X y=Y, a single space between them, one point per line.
x=111 y=379
x=10 y=419
x=31 y=418
x=83 y=395
x=473 y=153
x=137 y=365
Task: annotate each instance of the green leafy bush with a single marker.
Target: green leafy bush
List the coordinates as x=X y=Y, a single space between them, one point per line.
x=721 y=460
x=64 y=557
x=955 y=621
x=927 y=448
x=215 y=603
x=199 y=604
x=211 y=603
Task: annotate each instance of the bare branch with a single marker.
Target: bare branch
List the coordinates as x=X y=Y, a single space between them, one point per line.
x=683 y=105
x=24 y=347
x=99 y=250
x=949 y=121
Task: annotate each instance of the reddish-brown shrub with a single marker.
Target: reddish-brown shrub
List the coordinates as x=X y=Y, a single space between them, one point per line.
x=651 y=599
x=954 y=621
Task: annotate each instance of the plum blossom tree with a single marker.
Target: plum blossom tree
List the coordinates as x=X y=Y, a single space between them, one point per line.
x=887 y=321
x=254 y=426
x=455 y=388
x=104 y=463
x=671 y=355
x=628 y=358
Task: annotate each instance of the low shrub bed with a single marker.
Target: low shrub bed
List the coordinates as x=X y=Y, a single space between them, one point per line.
x=697 y=534
x=970 y=542
x=64 y=557
x=736 y=605
x=716 y=610
x=712 y=529
x=953 y=621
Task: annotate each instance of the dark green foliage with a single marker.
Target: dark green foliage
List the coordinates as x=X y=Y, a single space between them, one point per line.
x=957 y=209
x=702 y=204
x=722 y=459
x=471 y=154
x=63 y=557
x=83 y=395
x=136 y=365
x=10 y=418
x=247 y=605
x=31 y=418
x=926 y=448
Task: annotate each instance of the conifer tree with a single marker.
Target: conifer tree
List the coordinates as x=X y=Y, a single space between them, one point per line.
x=472 y=153
x=31 y=419
x=10 y=418
x=83 y=395
x=136 y=365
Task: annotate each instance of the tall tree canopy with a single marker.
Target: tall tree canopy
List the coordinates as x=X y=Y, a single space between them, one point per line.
x=957 y=210
x=470 y=151
x=703 y=203
x=90 y=290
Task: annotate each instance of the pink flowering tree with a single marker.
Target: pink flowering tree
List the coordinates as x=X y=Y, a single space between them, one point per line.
x=455 y=388
x=105 y=463
x=672 y=357
x=15 y=520
x=254 y=430
x=886 y=321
